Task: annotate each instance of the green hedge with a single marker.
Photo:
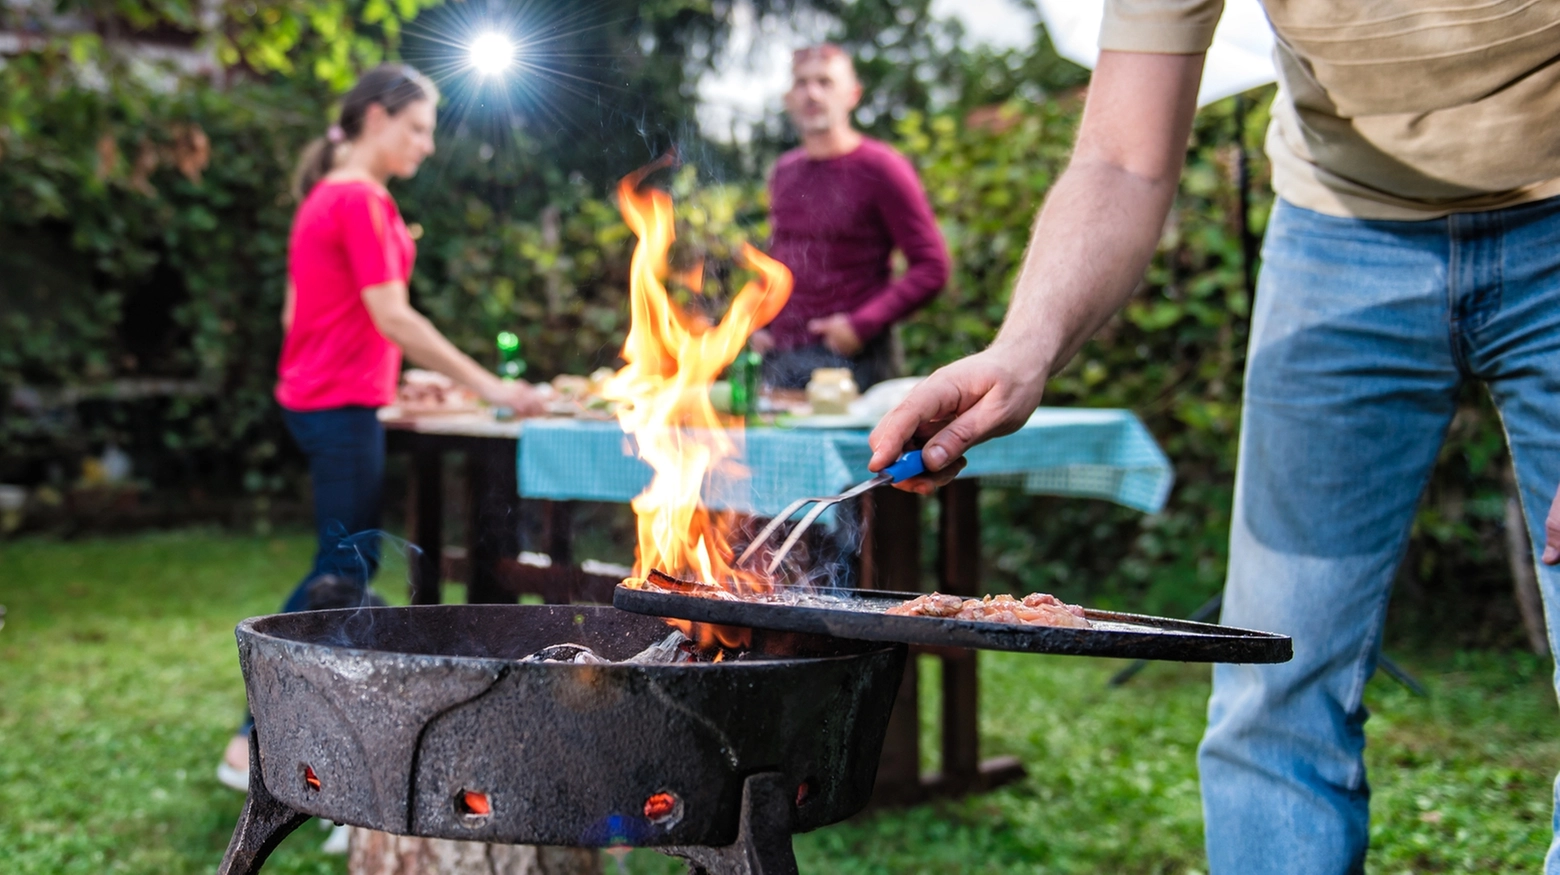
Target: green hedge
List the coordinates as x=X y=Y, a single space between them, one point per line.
x=120 y=263
x=101 y=219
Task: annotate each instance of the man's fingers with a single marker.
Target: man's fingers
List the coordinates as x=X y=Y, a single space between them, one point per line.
x=1552 y=533
x=981 y=421
x=934 y=399
x=926 y=484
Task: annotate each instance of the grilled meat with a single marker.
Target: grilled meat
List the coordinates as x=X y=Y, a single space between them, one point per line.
x=1035 y=609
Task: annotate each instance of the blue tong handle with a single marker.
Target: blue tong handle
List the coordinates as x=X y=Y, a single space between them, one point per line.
x=907 y=466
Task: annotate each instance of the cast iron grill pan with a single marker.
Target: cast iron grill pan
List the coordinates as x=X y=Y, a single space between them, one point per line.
x=859 y=614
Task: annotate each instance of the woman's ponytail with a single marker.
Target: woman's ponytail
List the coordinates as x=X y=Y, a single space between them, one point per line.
x=318 y=159
x=392 y=86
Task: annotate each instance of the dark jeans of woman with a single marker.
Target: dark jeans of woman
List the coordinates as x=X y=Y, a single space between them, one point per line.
x=346 y=450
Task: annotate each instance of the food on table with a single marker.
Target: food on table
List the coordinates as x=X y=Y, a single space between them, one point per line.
x=581 y=396
x=427 y=392
x=831 y=391
x=571 y=385
x=720 y=396
x=1035 y=609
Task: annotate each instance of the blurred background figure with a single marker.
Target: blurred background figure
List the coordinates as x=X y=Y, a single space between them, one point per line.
x=348 y=320
x=840 y=204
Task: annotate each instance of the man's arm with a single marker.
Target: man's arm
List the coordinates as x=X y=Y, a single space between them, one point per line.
x=390 y=307
x=1091 y=242
x=913 y=227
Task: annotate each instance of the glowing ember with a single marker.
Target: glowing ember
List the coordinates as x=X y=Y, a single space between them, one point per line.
x=476 y=803
x=663 y=401
x=660 y=806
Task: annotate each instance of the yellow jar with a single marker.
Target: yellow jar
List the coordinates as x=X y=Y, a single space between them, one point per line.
x=831 y=390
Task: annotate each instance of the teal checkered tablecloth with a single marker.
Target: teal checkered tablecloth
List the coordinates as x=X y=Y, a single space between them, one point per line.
x=1104 y=454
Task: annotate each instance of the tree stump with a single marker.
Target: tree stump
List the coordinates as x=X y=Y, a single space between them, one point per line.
x=380 y=853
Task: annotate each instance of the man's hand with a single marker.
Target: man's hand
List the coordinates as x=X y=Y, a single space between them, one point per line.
x=987 y=395
x=1552 y=533
x=762 y=341
x=837 y=333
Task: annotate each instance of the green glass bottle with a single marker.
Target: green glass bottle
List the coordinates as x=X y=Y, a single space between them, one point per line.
x=510 y=365
x=746 y=375
x=753 y=377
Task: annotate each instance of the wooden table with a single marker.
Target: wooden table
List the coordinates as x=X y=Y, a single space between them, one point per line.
x=890 y=559
x=488 y=563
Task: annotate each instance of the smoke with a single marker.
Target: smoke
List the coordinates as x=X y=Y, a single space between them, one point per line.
x=826 y=559
x=341 y=579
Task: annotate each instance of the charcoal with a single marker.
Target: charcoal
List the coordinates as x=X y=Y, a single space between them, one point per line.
x=578 y=654
x=667 y=651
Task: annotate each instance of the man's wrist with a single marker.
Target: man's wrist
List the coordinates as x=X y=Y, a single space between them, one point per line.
x=1024 y=354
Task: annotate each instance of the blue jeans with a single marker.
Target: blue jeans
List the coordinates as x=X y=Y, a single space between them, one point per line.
x=346 y=450
x=1362 y=334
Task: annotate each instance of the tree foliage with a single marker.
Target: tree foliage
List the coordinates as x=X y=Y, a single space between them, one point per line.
x=145 y=229
x=144 y=235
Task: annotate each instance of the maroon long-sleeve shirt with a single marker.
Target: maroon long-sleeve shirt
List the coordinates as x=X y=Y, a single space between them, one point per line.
x=835 y=224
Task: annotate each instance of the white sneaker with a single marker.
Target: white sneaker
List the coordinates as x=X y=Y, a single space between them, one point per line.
x=337 y=842
x=238 y=779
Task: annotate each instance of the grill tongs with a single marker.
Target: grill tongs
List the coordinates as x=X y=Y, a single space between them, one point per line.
x=907 y=466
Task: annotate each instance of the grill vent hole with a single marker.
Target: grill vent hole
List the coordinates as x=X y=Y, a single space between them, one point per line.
x=310 y=780
x=663 y=809
x=804 y=793
x=473 y=804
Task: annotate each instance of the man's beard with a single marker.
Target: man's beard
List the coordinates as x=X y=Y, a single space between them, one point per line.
x=820 y=124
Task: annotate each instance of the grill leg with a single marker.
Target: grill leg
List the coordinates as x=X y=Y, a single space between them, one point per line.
x=262 y=824
x=763 y=845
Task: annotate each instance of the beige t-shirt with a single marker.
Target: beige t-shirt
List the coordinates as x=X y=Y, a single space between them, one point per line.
x=1392 y=109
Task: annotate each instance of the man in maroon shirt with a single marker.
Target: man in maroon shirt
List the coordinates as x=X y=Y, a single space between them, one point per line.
x=839 y=206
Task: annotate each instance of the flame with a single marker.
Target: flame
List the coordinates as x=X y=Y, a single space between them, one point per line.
x=663 y=401
x=692 y=277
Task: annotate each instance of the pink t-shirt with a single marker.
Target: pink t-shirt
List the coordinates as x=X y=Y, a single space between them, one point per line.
x=346 y=237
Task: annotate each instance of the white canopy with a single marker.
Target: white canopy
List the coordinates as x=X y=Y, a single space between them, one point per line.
x=1240 y=59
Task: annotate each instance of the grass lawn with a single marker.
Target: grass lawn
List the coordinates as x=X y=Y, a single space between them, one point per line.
x=119 y=685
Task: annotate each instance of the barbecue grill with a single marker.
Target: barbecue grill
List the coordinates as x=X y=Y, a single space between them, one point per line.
x=424 y=721
x=429 y=721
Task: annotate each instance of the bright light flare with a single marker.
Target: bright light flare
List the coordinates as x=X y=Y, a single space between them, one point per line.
x=492 y=53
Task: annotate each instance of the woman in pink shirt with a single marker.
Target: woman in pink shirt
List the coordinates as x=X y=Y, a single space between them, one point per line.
x=348 y=321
